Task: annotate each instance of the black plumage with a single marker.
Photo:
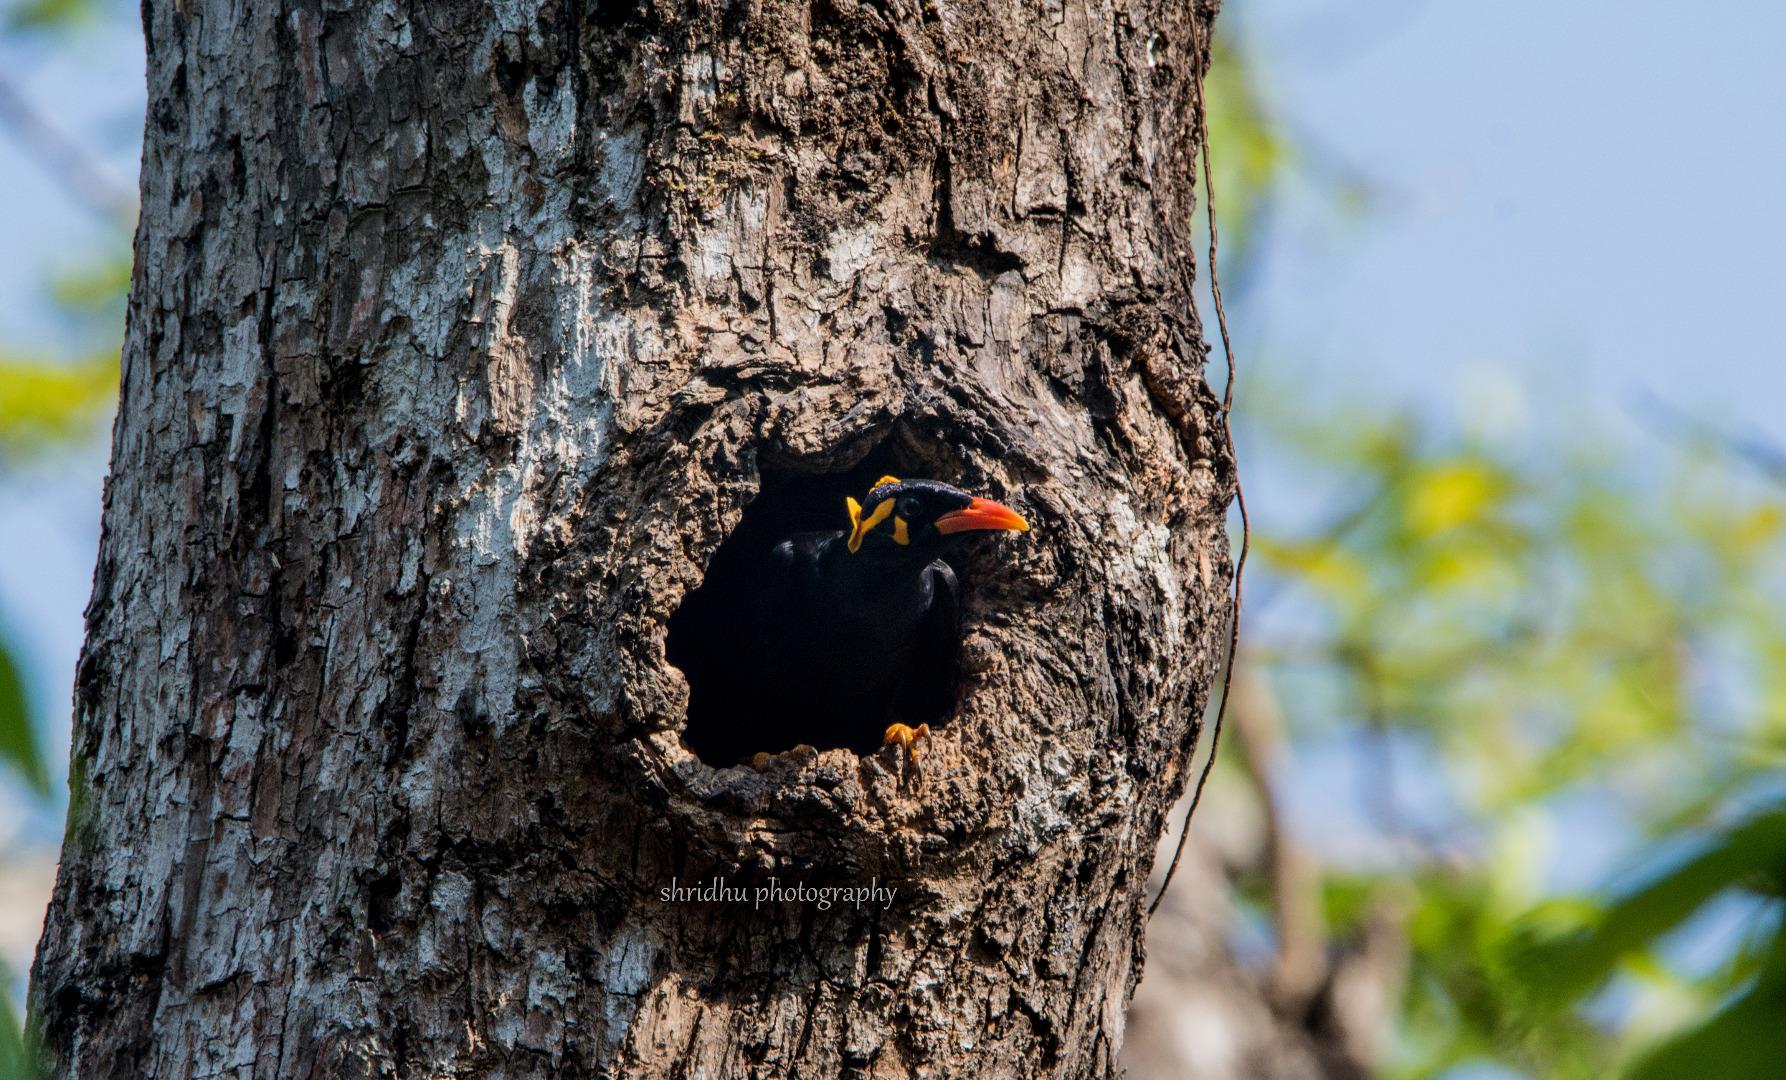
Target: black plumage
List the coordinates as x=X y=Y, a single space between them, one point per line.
x=827 y=638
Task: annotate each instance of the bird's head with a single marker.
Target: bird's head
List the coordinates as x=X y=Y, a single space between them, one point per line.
x=913 y=516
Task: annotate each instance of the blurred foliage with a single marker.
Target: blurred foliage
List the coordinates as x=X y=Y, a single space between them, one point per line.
x=1256 y=156
x=46 y=403
x=1253 y=155
x=27 y=15
x=1562 y=951
x=50 y=402
x=1529 y=639
x=18 y=739
x=1548 y=632
x=95 y=291
x=16 y=1060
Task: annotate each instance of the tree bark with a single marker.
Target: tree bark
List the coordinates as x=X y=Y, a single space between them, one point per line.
x=460 y=337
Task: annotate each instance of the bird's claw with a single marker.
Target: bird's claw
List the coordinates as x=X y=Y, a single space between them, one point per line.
x=763 y=761
x=902 y=735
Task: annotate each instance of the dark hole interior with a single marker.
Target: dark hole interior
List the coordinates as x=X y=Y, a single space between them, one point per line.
x=747 y=693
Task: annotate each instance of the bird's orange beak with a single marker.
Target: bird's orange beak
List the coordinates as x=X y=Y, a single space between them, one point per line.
x=981 y=514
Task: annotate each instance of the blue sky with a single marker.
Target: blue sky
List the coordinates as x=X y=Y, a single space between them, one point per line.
x=90 y=86
x=1583 y=198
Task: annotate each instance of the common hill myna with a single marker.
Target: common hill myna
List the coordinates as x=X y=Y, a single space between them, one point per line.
x=841 y=638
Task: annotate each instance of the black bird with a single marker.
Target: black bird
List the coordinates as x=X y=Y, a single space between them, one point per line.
x=825 y=639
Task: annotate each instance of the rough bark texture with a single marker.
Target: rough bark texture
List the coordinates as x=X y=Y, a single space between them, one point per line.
x=460 y=337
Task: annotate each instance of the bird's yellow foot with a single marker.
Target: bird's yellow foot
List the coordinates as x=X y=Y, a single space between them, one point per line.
x=763 y=761
x=901 y=735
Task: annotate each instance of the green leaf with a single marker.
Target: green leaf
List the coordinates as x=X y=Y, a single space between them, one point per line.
x=1561 y=967
x=97 y=287
x=48 y=14
x=43 y=402
x=1445 y=495
x=1746 y=1040
x=17 y=1062
x=17 y=743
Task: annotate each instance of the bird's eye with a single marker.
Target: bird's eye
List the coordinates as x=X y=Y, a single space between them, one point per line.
x=907 y=508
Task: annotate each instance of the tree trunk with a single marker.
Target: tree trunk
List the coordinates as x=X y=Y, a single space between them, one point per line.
x=460 y=338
